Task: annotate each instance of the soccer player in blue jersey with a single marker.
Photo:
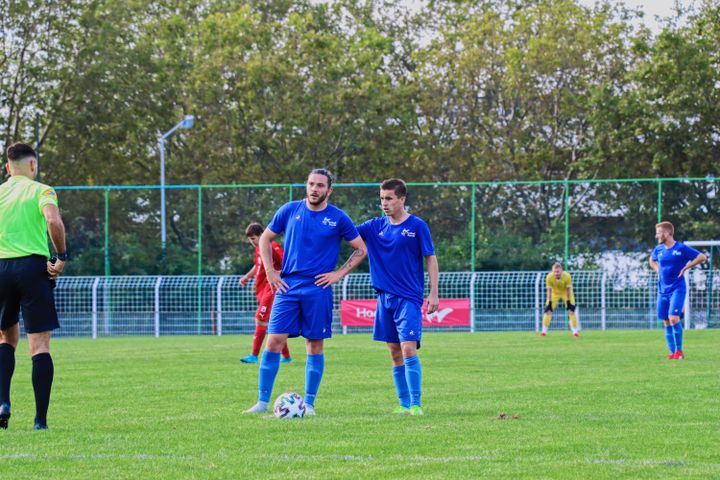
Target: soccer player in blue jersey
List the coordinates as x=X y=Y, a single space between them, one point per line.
x=313 y=230
x=671 y=259
x=398 y=244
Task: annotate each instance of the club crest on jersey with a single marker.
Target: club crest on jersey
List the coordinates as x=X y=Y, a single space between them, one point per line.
x=677 y=252
x=328 y=222
x=407 y=233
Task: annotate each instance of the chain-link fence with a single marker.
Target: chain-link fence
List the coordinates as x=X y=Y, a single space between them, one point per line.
x=499 y=301
x=476 y=226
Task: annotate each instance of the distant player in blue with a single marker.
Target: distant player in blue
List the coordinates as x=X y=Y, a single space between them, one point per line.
x=671 y=259
x=398 y=244
x=313 y=230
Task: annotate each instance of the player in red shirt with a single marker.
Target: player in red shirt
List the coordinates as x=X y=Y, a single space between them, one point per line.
x=263 y=291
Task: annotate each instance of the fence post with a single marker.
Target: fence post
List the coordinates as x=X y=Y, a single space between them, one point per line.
x=96 y=282
x=157 y=306
x=199 y=261
x=473 y=277
x=472 y=229
x=567 y=222
x=603 y=304
x=107 y=308
x=659 y=202
x=344 y=297
x=219 y=306
x=106 y=245
x=538 y=278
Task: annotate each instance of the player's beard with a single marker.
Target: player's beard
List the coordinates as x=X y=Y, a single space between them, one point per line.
x=317 y=201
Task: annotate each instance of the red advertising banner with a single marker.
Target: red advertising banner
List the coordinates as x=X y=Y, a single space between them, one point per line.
x=453 y=312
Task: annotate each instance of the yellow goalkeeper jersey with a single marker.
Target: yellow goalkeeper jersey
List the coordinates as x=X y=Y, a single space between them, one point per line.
x=559 y=287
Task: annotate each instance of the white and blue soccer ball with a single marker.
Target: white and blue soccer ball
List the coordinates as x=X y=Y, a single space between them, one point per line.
x=289 y=405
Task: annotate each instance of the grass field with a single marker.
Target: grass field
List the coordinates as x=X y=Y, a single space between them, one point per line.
x=606 y=405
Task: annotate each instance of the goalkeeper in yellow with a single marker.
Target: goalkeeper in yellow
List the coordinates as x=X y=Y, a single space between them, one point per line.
x=559 y=287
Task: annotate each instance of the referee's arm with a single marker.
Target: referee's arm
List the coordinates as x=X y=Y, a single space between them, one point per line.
x=56 y=230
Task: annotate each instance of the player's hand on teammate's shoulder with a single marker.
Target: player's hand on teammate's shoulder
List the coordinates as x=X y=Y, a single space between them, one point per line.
x=326 y=279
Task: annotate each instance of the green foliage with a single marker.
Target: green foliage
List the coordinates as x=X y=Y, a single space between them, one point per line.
x=453 y=91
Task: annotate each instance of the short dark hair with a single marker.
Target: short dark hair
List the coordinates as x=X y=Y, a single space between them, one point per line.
x=396 y=185
x=20 y=151
x=323 y=171
x=254 y=230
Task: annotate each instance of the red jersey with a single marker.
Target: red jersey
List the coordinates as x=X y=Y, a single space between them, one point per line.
x=261 y=283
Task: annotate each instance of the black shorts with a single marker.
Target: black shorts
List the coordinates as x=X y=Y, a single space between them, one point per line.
x=24 y=283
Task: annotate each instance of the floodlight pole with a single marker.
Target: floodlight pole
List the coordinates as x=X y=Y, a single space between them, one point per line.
x=186 y=122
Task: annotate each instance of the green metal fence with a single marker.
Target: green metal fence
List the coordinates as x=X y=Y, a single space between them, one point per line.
x=477 y=226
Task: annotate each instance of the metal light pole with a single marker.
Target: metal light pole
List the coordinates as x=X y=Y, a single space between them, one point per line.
x=186 y=122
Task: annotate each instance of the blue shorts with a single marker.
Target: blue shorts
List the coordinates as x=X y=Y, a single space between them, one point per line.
x=397 y=319
x=671 y=303
x=304 y=310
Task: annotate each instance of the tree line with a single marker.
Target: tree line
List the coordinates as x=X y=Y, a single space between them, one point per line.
x=449 y=91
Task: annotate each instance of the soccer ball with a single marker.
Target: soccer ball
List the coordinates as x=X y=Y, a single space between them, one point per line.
x=289 y=405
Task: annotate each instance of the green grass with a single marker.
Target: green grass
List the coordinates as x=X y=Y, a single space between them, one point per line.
x=606 y=405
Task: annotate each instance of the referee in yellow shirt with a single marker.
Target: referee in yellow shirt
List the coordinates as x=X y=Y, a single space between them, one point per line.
x=559 y=287
x=28 y=211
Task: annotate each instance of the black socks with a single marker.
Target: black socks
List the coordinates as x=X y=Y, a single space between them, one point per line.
x=42 y=378
x=7 y=368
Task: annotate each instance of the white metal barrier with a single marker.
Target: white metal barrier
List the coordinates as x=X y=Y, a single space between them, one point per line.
x=217 y=305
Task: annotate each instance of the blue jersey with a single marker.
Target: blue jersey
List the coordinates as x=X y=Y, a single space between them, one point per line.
x=396 y=254
x=312 y=239
x=671 y=261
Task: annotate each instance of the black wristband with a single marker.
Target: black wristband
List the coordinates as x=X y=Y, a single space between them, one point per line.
x=63 y=257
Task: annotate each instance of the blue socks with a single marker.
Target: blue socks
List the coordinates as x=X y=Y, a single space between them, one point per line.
x=269 y=366
x=313 y=374
x=670 y=338
x=413 y=376
x=678 y=330
x=401 y=385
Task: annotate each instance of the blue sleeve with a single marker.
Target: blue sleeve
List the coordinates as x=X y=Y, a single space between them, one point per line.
x=426 y=243
x=347 y=228
x=364 y=229
x=690 y=253
x=654 y=254
x=279 y=220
